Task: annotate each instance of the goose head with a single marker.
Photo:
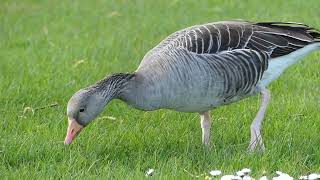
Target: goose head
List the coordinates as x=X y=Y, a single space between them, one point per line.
x=86 y=104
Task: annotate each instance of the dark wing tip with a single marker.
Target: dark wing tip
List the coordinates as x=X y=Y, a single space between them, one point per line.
x=293 y=24
x=314 y=33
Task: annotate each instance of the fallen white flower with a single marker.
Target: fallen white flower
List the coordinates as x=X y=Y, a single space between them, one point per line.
x=215 y=172
x=230 y=177
x=303 y=177
x=246 y=170
x=150 y=172
x=314 y=176
x=246 y=178
x=263 y=178
x=227 y=177
x=237 y=178
x=282 y=176
x=240 y=173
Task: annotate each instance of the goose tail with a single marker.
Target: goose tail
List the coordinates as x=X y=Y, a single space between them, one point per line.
x=295 y=27
x=279 y=64
x=315 y=34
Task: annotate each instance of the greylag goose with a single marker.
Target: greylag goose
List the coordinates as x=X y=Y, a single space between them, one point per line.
x=201 y=68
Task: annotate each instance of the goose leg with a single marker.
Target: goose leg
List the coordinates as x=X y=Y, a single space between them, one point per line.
x=256 y=138
x=205 y=126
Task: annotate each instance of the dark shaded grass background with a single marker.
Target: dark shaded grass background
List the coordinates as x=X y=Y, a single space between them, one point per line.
x=40 y=43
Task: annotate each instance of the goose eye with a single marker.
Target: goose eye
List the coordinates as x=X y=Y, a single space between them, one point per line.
x=81 y=110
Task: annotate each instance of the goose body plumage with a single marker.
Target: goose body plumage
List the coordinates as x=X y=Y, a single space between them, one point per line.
x=206 y=66
x=200 y=68
x=207 y=84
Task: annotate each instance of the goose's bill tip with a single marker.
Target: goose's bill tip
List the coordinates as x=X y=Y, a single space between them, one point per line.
x=73 y=130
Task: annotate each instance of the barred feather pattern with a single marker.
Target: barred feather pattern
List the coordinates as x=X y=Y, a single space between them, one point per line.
x=276 y=39
x=191 y=82
x=111 y=86
x=227 y=77
x=208 y=65
x=239 y=71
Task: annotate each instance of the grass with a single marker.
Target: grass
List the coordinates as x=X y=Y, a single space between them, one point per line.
x=40 y=43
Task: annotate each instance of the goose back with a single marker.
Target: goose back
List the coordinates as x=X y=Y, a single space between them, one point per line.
x=205 y=66
x=274 y=38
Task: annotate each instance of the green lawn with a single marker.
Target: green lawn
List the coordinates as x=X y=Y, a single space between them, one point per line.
x=42 y=43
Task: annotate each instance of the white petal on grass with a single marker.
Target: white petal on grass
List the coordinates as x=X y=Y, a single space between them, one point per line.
x=215 y=172
x=230 y=177
x=227 y=177
x=279 y=172
x=314 y=176
x=150 y=172
x=237 y=178
x=263 y=178
x=283 y=176
x=246 y=170
x=303 y=177
x=246 y=178
x=240 y=173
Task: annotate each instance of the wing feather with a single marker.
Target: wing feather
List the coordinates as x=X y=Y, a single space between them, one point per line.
x=273 y=38
x=240 y=69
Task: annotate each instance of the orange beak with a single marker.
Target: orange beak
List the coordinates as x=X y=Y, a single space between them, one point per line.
x=72 y=132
